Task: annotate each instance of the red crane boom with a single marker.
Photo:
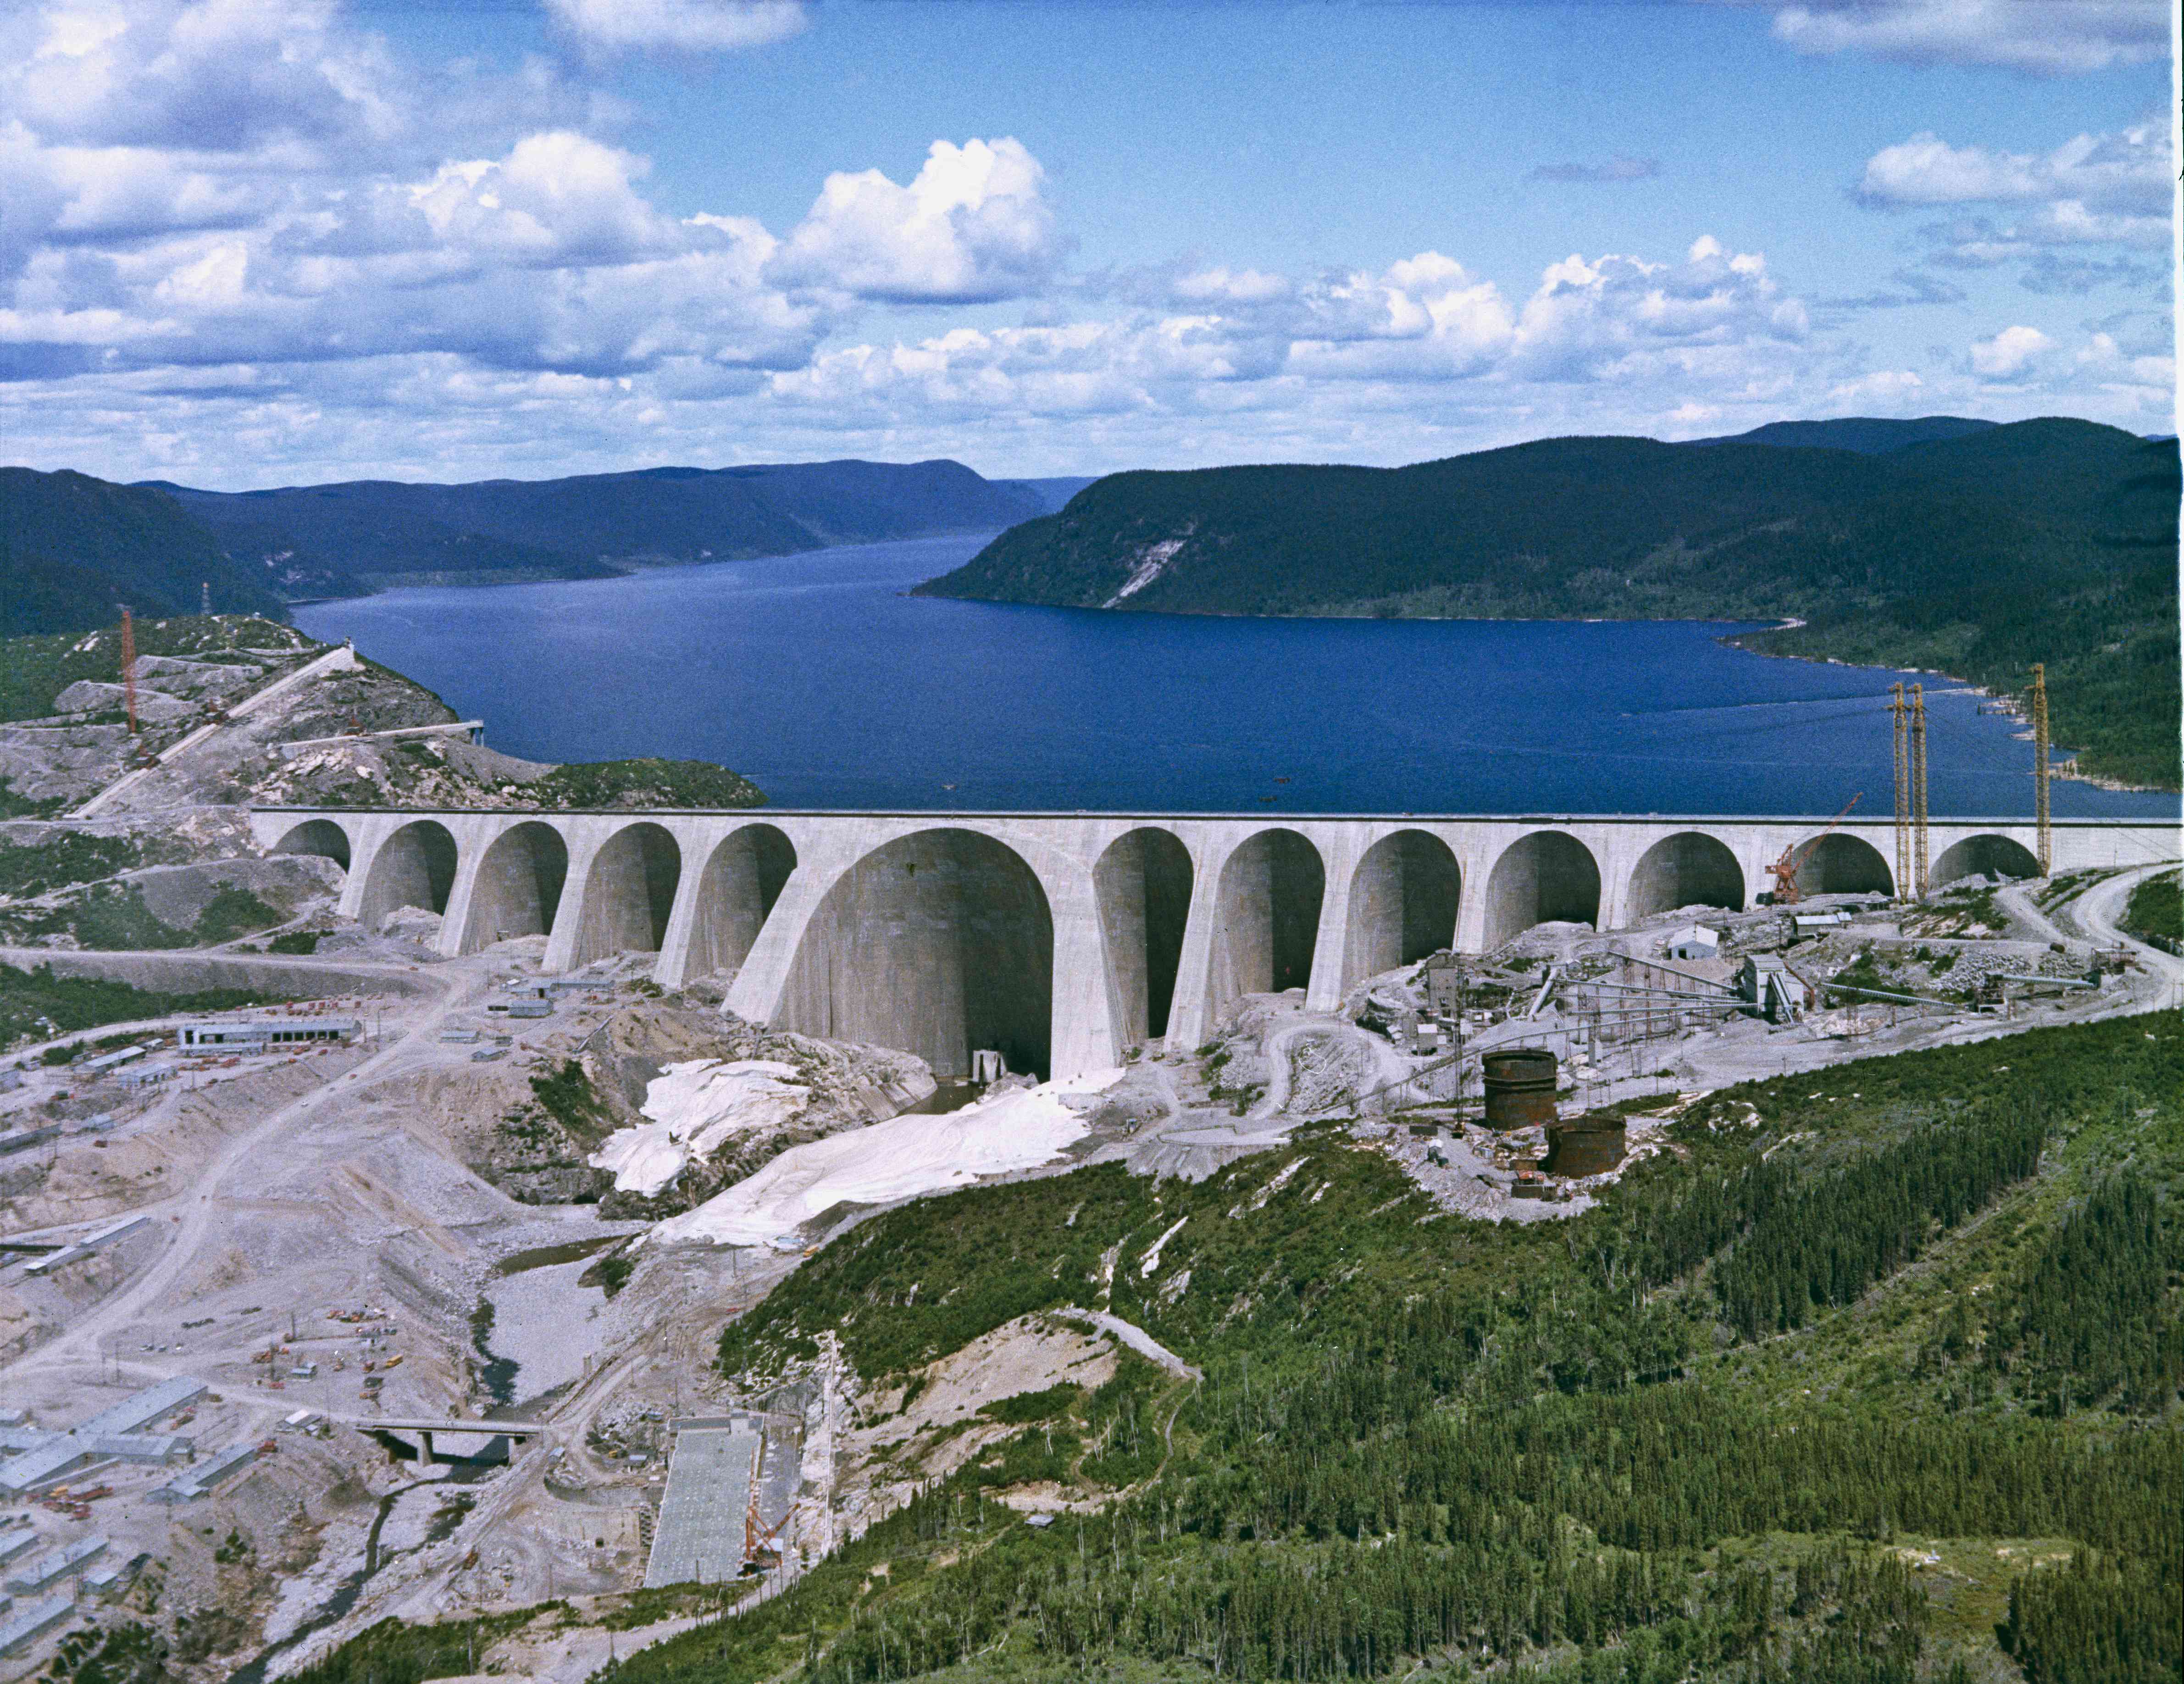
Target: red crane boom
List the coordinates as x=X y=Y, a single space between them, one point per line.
x=1784 y=871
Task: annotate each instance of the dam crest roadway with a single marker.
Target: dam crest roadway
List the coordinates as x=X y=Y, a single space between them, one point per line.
x=1063 y=939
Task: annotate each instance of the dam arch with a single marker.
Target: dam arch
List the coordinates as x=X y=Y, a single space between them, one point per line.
x=1265 y=917
x=1545 y=877
x=1986 y=855
x=741 y=880
x=519 y=883
x=1403 y=901
x=939 y=943
x=415 y=866
x=1690 y=868
x=1843 y=864
x=320 y=836
x=629 y=893
x=1143 y=884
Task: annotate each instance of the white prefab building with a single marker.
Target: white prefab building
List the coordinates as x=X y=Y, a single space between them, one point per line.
x=1694 y=941
x=265 y=1035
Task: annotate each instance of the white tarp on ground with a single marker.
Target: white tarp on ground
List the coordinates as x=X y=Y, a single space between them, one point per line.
x=692 y=1108
x=912 y=1154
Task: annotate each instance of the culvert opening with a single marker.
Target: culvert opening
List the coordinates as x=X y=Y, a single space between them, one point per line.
x=1546 y=877
x=1984 y=856
x=1843 y=865
x=320 y=836
x=741 y=882
x=1143 y=883
x=630 y=894
x=1268 y=921
x=1402 y=904
x=1688 y=869
x=415 y=867
x=519 y=886
x=939 y=944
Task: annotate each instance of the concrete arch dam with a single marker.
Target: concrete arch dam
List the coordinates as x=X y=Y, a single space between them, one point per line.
x=1062 y=939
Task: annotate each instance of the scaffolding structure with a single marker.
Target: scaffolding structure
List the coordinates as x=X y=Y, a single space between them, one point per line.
x=1900 y=710
x=129 y=669
x=1919 y=789
x=2039 y=767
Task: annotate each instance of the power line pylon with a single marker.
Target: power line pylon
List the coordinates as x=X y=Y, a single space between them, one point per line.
x=1900 y=710
x=2040 y=766
x=1918 y=787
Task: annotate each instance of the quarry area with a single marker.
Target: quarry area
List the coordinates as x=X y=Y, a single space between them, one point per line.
x=361 y=1281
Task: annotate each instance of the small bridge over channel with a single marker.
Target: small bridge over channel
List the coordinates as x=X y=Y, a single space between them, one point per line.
x=1062 y=940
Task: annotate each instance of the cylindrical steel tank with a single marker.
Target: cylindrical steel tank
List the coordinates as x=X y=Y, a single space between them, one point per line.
x=1591 y=1144
x=1520 y=1087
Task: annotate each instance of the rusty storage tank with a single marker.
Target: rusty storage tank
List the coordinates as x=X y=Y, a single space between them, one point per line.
x=1591 y=1144
x=1520 y=1087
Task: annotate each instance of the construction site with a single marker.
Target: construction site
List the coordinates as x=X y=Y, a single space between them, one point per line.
x=397 y=1291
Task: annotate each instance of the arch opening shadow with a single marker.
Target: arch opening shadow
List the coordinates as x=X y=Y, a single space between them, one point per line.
x=940 y=943
x=1548 y=876
x=320 y=836
x=1267 y=919
x=629 y=894
x=1688 y=869
x=741 y=881
x=1143 y=884
x=1402 y=904
x=1841 y=864
x=1984 y=856
x=519 y=886
x=415 y=867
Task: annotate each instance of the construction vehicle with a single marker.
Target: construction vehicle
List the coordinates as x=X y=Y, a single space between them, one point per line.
x=1784 y=871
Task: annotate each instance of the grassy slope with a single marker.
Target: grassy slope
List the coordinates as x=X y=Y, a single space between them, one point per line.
x=1425 y=1438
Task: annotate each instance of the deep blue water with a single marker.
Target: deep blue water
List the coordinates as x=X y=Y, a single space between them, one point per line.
x=814 y=675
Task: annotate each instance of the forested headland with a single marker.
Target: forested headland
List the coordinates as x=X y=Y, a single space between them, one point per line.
x=1978 y=555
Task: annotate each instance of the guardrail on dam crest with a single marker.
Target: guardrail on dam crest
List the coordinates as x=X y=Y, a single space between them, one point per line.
x=1063 y=939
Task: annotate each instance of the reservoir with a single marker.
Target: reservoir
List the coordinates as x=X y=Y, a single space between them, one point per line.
x=816 y=676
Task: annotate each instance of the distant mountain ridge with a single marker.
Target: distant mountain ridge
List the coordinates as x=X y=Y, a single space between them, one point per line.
x=319 y=539
x=1868 y=435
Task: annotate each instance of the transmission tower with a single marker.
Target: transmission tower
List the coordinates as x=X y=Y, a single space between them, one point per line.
x=129 y=669
x=2040 y=766
x=1901 y=711
x=1918 y=787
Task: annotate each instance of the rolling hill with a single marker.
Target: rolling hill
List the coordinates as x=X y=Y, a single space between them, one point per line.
x=387 y=531
x=2046 y=540
x=72 y=548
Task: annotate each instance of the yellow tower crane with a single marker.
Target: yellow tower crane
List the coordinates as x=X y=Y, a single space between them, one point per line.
x=1919 y=789
x=1902 y=710
x=2039 y=767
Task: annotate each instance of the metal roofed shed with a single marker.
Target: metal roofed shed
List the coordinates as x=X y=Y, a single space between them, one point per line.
x=188 y=1486
x=13 y=1547
x=145 y=1407
x=55 y=1565
x=29 y=1624
x=705 y=1527
x=48 y=1465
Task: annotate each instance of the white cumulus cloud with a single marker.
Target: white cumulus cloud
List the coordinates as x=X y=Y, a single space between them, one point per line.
x=2011 y=354
x=972 y=227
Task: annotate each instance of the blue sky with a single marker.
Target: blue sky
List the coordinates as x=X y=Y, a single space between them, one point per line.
x=249 y=242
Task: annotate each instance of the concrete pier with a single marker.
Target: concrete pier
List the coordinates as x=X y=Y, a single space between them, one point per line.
x=1062 y=939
